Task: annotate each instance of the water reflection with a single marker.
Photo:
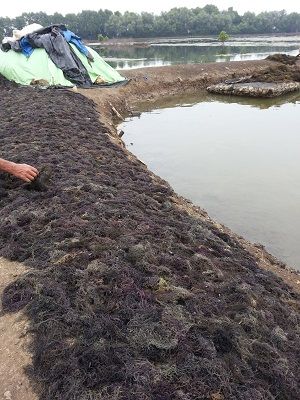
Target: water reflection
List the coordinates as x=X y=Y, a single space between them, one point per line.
x=189 y=100
x=237 y=158
x=197 y=50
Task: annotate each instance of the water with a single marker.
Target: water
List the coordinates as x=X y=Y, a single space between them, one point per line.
x=238 y=159
x=159 y=52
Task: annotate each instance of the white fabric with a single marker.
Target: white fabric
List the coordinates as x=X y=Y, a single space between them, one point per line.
x=8 y=39
x=18 y=34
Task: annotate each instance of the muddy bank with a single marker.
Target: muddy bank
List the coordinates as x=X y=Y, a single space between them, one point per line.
x=14 y=355
x=133 y=293
x=274 y=82
x=151 y=84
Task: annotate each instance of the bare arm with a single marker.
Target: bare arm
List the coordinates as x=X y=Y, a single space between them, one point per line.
x=23 y=171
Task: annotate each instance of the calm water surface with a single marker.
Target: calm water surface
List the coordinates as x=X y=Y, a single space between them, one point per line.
x=238 y=159
x=161 y=52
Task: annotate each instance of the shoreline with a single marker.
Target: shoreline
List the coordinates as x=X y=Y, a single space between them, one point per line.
x=152 y=83
x=114 y=105
x=147 y=42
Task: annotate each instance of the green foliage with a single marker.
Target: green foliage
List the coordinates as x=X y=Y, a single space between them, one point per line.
x=183 y=21
x=101 y=38
x=223 y=37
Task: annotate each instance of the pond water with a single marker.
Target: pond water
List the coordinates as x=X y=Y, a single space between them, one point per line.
x=237 y=158
x=159 y=52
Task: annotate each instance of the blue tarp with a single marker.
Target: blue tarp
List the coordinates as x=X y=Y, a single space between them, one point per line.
x=76 y=40
x=26 y=47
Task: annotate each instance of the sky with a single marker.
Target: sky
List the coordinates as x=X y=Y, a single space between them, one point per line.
x=17 y=7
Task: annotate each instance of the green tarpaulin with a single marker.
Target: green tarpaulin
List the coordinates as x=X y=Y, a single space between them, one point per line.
x=20 y=69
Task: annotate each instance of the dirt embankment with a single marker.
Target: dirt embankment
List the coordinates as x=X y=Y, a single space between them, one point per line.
x=132 y=292
x=151 y=84
x=14 y=341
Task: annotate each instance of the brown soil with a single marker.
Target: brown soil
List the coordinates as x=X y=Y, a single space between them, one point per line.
x=133 y=292
x=284 y=58
x=151 y=84
x=14 y=355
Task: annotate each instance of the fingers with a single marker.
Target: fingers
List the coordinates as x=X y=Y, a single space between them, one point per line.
x=32 y=174
x=30 y=168
x=33 y=169
x=26 y=177
x=26 y=172
x=30 y=177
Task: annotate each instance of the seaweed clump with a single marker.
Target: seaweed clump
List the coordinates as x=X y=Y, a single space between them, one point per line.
x=6 y=84
x=129 y=296
x=283 y=58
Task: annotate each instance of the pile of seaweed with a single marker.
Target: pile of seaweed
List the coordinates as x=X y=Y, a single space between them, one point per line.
x=6 y=84
x=283 y=58
x=280 y=73
x=129 y=296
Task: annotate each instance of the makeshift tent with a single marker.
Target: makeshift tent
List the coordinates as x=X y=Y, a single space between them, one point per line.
x=56 y=57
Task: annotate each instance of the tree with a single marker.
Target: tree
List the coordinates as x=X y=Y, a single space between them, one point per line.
x=248 y=23
x=182 y=21
x=223 y=37
x=211 y=9
x=102 y=38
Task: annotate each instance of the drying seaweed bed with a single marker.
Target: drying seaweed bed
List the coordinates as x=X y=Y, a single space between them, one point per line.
x=255 y=89
x=130 y=297
x=273 y=82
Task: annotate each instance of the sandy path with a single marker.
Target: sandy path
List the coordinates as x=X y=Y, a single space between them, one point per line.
x=14 y=355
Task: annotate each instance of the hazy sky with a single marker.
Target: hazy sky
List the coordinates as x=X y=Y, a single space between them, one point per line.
x=16 y=7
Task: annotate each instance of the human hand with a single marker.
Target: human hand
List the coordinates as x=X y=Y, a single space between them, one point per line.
x=24 y=171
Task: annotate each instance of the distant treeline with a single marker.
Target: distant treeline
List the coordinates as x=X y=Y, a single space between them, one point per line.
x=208 y=20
